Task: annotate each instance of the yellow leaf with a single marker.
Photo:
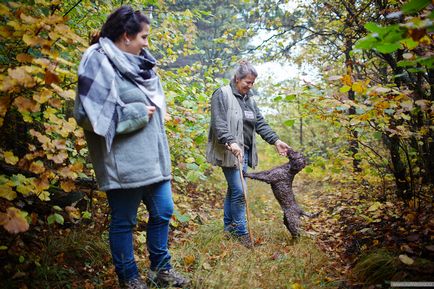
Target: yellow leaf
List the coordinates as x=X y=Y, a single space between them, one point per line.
x=346 y=80
x=10 y=158
x=358 y=87
x=67 y=94
x=73 y=212
x=374 y=207
x=44 y=196
x=31 y=40
x=189 y=260
x=7 y=192
x=37 y=167
x=67 y=186
x=76 y=167
x=42 y=96
x=13 y=221
x=49 y=112
x=24 y=189
x=296 y=286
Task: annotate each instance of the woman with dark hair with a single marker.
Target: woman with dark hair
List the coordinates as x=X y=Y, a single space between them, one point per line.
x=121 y=106
x=235 y=120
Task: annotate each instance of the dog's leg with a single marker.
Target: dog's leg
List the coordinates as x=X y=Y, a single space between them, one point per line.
x=291 y=219
x=264 y=176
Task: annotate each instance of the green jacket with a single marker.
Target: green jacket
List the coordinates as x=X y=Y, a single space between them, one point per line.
x=227 y=127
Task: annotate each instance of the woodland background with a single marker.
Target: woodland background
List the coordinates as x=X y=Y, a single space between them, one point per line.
x=364 y=121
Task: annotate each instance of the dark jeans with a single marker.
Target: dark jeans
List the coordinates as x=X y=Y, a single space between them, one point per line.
x=124 y=204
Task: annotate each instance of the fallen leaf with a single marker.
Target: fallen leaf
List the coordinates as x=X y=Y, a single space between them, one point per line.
x=406 y=260
x=189 y=260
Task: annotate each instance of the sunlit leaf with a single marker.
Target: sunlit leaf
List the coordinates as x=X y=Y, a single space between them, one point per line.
x=10 y=158
x=289 y=122
x=406 y=260
x=37 y=167
x=7 y=192
x=55 y=218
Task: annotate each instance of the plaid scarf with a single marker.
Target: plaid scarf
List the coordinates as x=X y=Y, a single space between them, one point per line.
x=97 y=92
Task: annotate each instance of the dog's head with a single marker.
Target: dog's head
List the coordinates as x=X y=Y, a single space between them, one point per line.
x=297 y=160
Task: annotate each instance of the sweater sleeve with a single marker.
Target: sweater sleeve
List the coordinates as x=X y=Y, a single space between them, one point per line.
x=219 y=122
x=130 y=117
x=262 y=127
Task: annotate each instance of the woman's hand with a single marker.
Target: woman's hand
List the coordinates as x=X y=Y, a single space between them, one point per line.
x=282 y=148
x=151 y=110
x=236 y=150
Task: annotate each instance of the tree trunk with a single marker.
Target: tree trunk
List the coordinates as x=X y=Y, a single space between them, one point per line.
x=399 y=170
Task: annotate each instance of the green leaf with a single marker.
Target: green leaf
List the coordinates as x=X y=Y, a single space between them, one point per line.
x=388 y=47
x=308 y=169
x=409 y=43
x=345 y=88
x=373 y=27
x=57 y=208
x=86 y=214
x=55 y=218
x=290 y=97
x=277 y=98
x=378 y=135
x=289 y=122
x=366 y=43
x=415 y=6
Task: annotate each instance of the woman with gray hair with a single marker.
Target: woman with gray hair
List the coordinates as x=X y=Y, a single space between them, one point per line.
x=235 y=120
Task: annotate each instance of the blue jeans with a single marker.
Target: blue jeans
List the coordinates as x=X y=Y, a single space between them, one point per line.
x=124 y=204
x=235 y=206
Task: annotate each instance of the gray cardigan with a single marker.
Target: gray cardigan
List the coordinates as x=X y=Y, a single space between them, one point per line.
x=139 y=155
x=226 y=127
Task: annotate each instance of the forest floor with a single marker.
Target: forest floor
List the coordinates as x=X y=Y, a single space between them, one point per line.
x=349 y=226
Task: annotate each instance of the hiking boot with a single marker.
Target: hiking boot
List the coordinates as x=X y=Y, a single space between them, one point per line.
x=168 y=277
x=136 y=283
x=245 y=241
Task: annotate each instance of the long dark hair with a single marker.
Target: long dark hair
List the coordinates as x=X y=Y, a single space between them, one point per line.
x=124 y=19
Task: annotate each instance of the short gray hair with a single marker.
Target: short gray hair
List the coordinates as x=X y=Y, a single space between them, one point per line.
x=244 y=68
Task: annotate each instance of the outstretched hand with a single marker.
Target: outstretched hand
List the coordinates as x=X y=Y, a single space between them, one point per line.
x=282 y=148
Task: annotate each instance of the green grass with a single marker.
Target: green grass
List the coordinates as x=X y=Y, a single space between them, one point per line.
x=69 y=261
x=277 y=262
